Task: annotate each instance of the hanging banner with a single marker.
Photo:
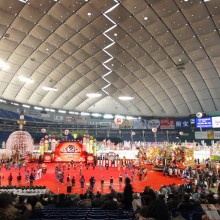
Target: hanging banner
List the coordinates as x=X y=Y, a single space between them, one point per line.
x=58 y=118
x=216 y=122
x=126 y=124
x=68 y=151
x=139 y=124
x=168 y=123
x=153 y=123
x=182 y=123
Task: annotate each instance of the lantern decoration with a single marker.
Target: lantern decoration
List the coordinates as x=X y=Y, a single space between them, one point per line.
x=154 y=130
x=43 y=130
x=118 y=120
x=91 y=142
x=46 y=143
x=199 y=114
x=66 y=132
x=181 y=133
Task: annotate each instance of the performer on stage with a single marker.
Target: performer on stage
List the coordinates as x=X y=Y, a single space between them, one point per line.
x=111 y=182
x=102 y=182
x=73 y=181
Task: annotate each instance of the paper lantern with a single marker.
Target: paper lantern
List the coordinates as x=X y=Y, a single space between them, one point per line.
x=181 y=133
x=66 y=132
x=118 y=120
x=199 y=114
x=154 y=130
x=43 y=130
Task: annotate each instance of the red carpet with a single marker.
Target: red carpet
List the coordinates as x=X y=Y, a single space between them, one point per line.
x=154 y=179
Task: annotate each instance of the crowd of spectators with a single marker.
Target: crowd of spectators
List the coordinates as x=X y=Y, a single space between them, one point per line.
x=171 y=201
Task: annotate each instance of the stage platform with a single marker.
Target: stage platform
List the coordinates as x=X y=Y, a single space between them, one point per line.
x=154 y=179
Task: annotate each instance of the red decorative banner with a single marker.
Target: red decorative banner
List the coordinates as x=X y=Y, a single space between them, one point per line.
x=47 y=158
x=68 y=151
x=168 y=123
x=90 y=158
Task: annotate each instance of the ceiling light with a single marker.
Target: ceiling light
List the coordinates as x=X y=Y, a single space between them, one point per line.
x=14 y=103
x=49 y=89
x=145 y=18
x=206 y=0
x=38 y=108
x=96 y=115
x=130 y=118
x=62 y=111
x=85 y=113
x=89 y=13
x=25 y=79
x=108 y=116
x=52 y=110
x=2 y=100
x=26 y=106
x=4 y=65
x=24 y=1
x=73 y=113
x=125 y=98
x=115 y=34
x=93 y=95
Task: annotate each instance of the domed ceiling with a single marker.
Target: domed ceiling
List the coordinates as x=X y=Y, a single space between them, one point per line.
x=162 y=56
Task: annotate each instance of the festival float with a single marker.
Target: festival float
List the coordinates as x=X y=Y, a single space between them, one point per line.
x=20 y=144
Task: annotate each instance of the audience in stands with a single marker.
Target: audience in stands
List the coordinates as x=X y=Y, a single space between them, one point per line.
x=170 y=201
x=9 y=212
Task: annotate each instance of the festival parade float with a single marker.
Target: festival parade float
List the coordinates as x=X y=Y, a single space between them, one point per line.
x=20 y=144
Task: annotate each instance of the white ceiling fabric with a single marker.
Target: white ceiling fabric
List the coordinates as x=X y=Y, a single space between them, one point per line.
x=63 y=44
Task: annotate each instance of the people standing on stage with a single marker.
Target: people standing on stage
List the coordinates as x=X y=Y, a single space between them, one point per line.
x=80 y=171
x=93 y=165
x=19 y=179
x=68 y=180
x=132 y=176
x=61 y=177
x=25 y=166
x=72 y=163
x=119 y=166
x=64 y=167
x=126 y=175
x=73 y=180
x=10 y=178
x=111 y=182
x=92 y=182
x=1 y=178
x=87 y=166
x=68 y=166
x=82 y=182
x=74 y=166
x=100 y=166
x=27 y=176
x=106 y=166
x=120 y=179
x=102 y=182
x=31 y=179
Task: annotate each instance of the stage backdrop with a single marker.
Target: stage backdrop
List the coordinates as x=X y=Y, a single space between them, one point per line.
x=68 y=151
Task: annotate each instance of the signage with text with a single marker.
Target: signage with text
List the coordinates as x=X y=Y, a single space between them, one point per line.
x=204 y=122
x=168 y=123
x=216 y=122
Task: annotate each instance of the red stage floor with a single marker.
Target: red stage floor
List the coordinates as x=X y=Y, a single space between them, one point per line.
x=154 y=179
